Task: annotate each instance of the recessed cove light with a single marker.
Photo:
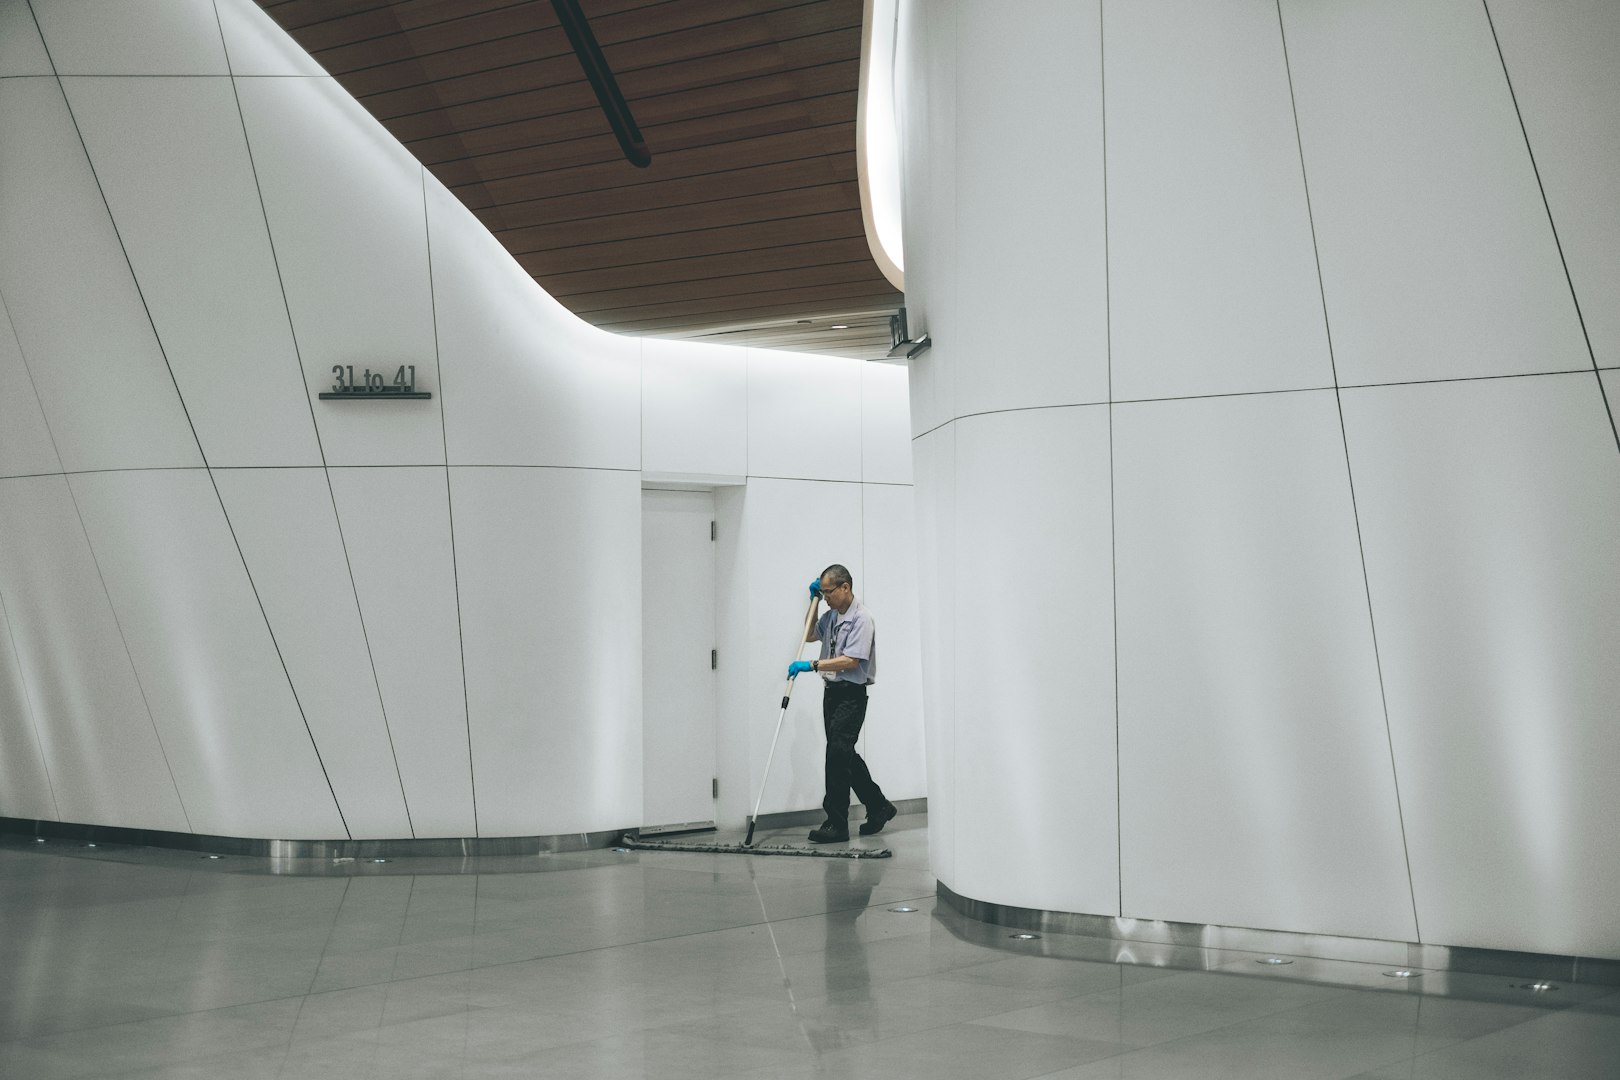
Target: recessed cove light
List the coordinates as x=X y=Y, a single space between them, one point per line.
x=1273 y=960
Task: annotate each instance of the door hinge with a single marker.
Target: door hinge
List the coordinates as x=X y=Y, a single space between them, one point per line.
x=714 y=532
x=714 y=788
x=714 y=659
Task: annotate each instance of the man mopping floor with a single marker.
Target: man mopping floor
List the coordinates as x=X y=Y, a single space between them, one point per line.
x=848 y=665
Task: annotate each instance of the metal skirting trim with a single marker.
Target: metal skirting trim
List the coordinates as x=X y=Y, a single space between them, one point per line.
x=1399 y=954
x=311 y=849
x=787 y=819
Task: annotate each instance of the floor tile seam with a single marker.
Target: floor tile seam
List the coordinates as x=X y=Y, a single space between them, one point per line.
x=436 y=974
x=1190 y=1036
x=1538 y=1011
x=1488 y=1034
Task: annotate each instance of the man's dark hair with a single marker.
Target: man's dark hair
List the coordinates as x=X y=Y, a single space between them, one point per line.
x=836 y=575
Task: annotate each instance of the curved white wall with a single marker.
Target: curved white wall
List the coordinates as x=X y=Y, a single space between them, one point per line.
x=1269 y=496
x=228 y=607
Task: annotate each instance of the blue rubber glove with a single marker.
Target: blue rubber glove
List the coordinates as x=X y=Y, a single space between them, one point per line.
x=797 y=668
x=815 y=588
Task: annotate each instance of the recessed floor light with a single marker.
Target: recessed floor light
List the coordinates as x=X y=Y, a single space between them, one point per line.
x=379 y=860
x=39 y=839
x=1274 y=960
x=1024 y=937
x=1535 y=987
x=209 y=856
x=621 y=851
x=89 y=845
x=903 y=909
x=839 y=326
x=1404 y=973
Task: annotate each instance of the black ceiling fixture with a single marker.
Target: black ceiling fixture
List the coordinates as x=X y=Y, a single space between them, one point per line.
x=617 y=110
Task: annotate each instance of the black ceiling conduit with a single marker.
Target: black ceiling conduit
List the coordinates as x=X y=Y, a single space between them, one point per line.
x=578 y=29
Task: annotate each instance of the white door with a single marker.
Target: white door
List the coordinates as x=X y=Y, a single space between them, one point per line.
x=677 y=672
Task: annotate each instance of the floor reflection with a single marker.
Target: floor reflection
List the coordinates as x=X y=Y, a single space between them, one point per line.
x=143 y=963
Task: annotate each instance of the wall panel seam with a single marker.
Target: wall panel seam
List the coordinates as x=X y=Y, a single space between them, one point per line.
x=320 y=447
x=129 y=656
x=22 y=675
x=1349 y=475
x=22 y=357
x=180 y=397
x=1262 y=393
x=28 y=703
x=1552 y=223
x=449 y=502
x=67 y=481
x=1113 y=527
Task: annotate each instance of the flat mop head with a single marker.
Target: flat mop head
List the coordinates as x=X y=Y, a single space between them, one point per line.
x=635 y=843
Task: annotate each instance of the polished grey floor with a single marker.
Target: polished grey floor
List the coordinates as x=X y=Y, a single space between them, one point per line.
x=137 y=962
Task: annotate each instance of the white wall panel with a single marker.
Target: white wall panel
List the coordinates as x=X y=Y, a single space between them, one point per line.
x=1437 y=257
x=25 y=783
x=1490 y=513
x=231 y=727
x=255 y=45
x=344 y=201
x=1032 y=597
x=21 y=51
x=25 y=441
x=100 y=376
x=525 y=381
x=1561 y=58
x=885 y=424
x=171 y=160
x=101 y=747
x=1211 y=271
x=1252 y=735
x=791 y=530
x=735 y=717
x=694 y=408
x=934 y=499
x=1029 y=207
x=549 y=565
x=115 y=37
x=804 y=416
x=925 y=77
x=284 y=522
x=396 y=523
x=892 y=741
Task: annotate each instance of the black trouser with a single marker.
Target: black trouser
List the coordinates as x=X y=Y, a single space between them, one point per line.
x=843 y=711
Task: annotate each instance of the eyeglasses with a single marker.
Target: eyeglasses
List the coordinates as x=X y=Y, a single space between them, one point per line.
x=825 y=589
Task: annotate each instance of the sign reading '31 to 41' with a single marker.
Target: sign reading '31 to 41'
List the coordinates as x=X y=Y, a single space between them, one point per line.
x=371 y=385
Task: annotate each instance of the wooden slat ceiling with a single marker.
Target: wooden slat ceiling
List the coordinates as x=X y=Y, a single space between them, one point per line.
x=747 y=226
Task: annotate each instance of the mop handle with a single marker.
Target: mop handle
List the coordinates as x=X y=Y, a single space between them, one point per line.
x=787 y=692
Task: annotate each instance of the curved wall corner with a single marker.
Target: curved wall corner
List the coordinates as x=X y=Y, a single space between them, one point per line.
x=228 y=607
x=1268 y=419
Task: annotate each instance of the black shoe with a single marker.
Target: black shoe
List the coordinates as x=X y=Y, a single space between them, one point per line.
x=876 y=819
x=829 y=834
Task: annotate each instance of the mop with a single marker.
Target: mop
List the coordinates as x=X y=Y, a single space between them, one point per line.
x=747 y=847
